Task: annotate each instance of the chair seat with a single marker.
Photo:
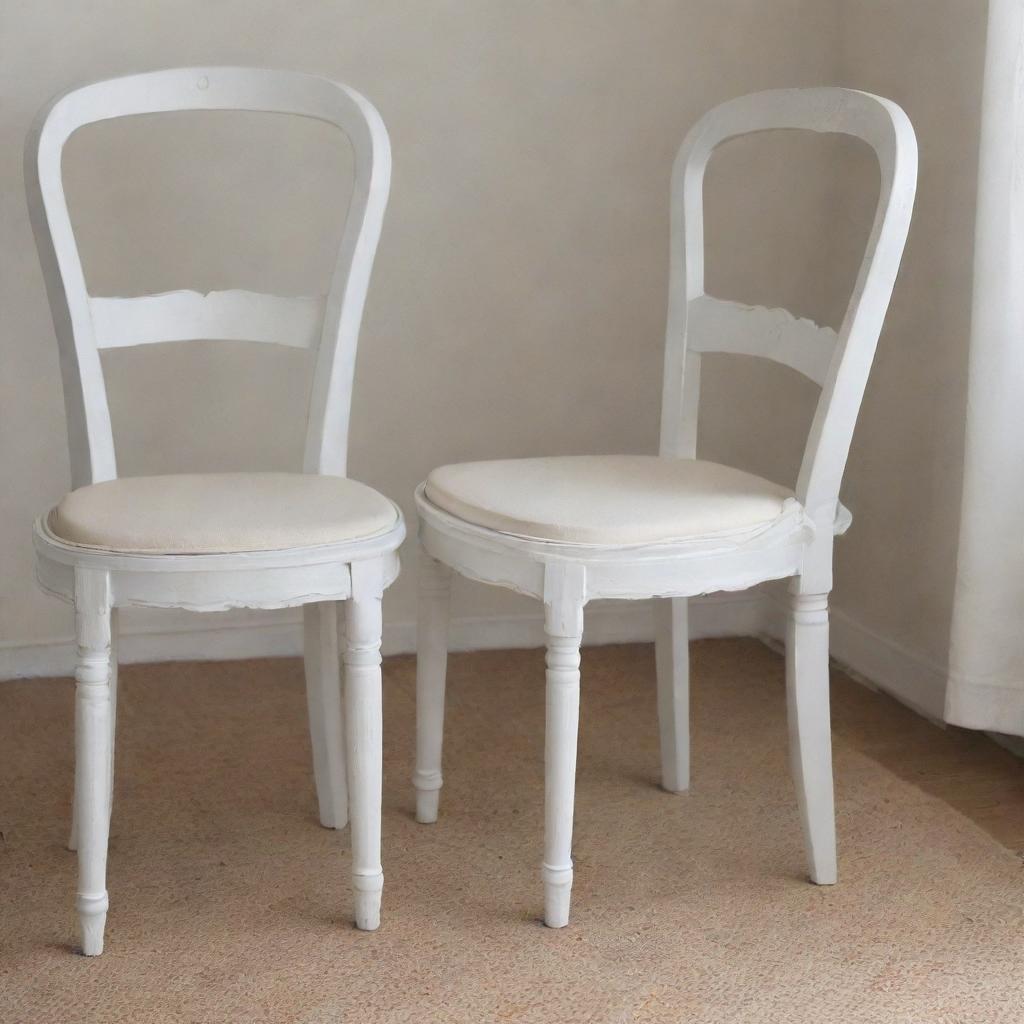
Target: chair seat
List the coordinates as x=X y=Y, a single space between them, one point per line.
x=210 y=513
x=608 y=499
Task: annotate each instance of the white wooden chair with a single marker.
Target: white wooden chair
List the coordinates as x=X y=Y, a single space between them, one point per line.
x=214 y=541
x=572 y=529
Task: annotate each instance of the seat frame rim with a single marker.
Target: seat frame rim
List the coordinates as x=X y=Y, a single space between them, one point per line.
x=632 y=572
x=69 y=553
x=276 y=578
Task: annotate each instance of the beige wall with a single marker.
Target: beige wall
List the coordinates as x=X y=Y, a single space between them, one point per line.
x=895 y=570
x=518 y=304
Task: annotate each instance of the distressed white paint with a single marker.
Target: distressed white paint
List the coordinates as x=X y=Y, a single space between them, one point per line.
x=98 y=582
x=799 y=545
x=323 y=702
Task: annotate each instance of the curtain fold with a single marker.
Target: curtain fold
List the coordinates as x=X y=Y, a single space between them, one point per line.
x=986 y=683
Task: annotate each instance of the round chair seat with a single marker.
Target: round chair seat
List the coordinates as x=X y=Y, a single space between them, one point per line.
x=608 y=499
x=211 y=513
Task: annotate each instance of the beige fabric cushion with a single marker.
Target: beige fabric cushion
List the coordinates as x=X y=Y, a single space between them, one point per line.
x=607 y=499
x=220 y=512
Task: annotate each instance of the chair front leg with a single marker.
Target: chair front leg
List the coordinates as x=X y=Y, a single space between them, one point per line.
x=363 y=729
x=810 y=730
x=73 y=835
x=431 y=668
x=672 y=658
x=323 y=701
x=93 y=751
x=564 y=635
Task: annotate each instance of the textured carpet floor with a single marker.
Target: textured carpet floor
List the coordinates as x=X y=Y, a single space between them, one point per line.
x=230 y=903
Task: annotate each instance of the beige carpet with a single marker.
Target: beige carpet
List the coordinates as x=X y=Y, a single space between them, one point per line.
x=230 y=903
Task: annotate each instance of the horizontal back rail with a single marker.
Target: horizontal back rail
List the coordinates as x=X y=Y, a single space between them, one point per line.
x=234 y=315
x=717 y=325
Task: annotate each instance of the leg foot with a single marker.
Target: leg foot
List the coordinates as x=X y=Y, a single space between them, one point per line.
x=92 y=918
x=367 y=892
x=427 y=802
x=557 y=894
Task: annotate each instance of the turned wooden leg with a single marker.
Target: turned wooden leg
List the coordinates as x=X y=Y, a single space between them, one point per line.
x=323 y=700
x=564 y=628
x=93 y=757
x=73 y=835
x=673 y=667
x=363 y=729
x=810 y=733
x=431 y=667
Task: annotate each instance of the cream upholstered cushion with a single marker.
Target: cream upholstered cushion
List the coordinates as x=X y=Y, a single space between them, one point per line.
x=607 y=499
x=208 y=513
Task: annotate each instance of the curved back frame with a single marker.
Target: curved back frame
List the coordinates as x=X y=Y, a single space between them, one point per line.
x=84 y=323
x=839 y=362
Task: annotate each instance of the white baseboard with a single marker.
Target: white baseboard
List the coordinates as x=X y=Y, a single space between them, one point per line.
x=274 y=634
x=912 y=679
x=279 y=634
x=873 y=660
x=869 y=657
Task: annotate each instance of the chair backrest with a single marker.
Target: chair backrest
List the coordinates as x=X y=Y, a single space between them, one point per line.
x=838 y=362
x=85 y=324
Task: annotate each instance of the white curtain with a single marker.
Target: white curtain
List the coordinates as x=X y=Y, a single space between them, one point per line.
x=986 y=685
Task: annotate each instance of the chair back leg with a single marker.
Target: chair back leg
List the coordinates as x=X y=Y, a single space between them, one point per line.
x=431 y=668
x=810 y=730
x=323 y=700
x=672 y=656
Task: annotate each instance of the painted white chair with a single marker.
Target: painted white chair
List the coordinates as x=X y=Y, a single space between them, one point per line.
x=569 y=530
x=214 y=541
